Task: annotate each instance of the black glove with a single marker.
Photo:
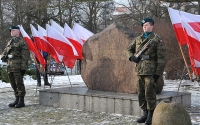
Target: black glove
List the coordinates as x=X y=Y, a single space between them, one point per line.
x=22 y=72
x=155 y=77
x=134 y=59
x=3 y=58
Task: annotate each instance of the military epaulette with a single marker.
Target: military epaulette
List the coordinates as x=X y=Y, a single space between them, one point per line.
x=158 y=38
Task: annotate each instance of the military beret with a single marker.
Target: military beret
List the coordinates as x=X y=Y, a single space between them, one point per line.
x=147 y=20
x=13 y=27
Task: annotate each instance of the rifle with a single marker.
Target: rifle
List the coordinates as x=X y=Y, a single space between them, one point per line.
x=139 y=55
x=5 y=57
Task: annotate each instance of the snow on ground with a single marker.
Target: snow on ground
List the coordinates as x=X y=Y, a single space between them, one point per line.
x=34 y=113
x=57 y=80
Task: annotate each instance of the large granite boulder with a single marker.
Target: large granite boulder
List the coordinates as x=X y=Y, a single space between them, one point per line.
x=170 y=113
x=105 y=65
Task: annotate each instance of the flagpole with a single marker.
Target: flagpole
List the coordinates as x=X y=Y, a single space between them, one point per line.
x=189 y=73
x=36 y=62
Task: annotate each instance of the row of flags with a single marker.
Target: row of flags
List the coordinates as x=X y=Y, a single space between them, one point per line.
x=187 y=30
x=63 y=44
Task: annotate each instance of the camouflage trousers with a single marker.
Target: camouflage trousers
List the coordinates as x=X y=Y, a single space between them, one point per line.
x=146 y=92
x=17 y=83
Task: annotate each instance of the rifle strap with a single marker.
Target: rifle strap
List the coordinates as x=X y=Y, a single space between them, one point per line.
x=144 y=42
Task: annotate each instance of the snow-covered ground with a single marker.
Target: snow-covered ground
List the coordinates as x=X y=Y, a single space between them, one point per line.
x=34 y=113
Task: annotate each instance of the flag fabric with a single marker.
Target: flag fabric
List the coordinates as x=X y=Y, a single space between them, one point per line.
x=191 y=33
x=191 y=23
x=57 y=26
x=69 y=34
x=177 y=25
x=50 y=49
x=82 y=32
x=32 y=47
x=62 y=45
x=40 y=44
x=192 y=48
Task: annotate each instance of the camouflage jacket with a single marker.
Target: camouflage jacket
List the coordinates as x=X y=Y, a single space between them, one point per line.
x=156 y=51
x=18 y=55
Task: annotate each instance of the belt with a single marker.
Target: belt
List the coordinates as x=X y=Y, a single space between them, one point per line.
x=147 y=57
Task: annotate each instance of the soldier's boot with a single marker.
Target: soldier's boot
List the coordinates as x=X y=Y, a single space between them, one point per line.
x=15 y=102
x=20 y=103
x=149 y=117
x=143 y=118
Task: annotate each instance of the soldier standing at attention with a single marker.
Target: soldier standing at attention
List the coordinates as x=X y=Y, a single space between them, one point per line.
x=149 y=67
x=16 y=54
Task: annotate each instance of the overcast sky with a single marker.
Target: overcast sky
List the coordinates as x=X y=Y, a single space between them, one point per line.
x=124 y=2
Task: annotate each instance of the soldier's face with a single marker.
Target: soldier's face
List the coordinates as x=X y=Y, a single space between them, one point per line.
x=147 y=27
x=14 y=32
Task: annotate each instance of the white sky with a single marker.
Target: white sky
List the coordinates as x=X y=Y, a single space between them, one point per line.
x=123 y=2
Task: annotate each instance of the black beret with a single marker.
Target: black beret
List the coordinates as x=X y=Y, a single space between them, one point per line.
x=147 y=20
x=13 y=27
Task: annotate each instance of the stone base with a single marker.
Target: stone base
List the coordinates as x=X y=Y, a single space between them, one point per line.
x=81 y=98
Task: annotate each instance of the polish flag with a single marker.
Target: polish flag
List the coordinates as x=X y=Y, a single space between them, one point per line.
x=191 y=28
x=62 y=45
x=178 y=28
x=32 y=47
x=69 y=34
x=50 y=49
x=81 y=32
x=191 y=23
x=57 y=26
x=40 y=44
x=42 y=31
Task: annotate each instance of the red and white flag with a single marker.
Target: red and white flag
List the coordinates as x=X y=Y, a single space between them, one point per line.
x=32 y=47
x=50 y=49
x=191 y=23
x=57 y=26
x=62 y=45
x=177 y=25
x=42 y=31
x=40 y=44
x=69 y=34
x=191 y=27
x=82 y=32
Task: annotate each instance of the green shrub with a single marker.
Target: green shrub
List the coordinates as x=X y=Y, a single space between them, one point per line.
x=31 y=73
x=3 y=75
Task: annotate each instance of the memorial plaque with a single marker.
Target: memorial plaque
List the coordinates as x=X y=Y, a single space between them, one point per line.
x=105 y=65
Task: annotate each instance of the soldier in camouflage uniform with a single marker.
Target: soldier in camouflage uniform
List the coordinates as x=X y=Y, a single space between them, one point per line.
x=16 y=54
x=149 y=67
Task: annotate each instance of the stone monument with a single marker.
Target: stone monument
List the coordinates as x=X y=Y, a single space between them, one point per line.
x=105 y=66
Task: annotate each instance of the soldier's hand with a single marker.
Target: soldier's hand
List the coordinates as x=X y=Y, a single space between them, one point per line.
x=22 y=72
x=155 y=77
x=134 y=59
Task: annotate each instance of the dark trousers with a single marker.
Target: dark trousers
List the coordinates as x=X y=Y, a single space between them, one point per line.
x=146 y=92
x=38 y=75
x=17 y=83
